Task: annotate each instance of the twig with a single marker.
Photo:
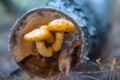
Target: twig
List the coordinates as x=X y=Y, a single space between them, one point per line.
x=114 y=65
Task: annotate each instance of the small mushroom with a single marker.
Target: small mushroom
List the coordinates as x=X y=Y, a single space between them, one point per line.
x=43 y=27
x=59 y=36
x=43 y=50
x=39 y=36
x=57 y=26
x=60 y=26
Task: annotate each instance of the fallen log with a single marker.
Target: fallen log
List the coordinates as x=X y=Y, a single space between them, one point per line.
x=83 y=45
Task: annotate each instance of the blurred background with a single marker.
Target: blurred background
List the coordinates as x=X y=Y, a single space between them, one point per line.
x=11 y=10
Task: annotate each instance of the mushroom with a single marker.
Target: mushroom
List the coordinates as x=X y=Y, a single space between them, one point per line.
x=40 y=36
x=59 y=36
x=60 y=26
x=43 y=50
x=57 y=26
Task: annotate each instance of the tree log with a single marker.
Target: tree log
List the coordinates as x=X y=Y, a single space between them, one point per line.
x=84 y=44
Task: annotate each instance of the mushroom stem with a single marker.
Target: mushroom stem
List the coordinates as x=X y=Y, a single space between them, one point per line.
x=43 y=50
x=59 y=36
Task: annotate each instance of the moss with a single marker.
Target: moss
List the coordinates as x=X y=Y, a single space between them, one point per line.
x=21 y=78
x=4 y=78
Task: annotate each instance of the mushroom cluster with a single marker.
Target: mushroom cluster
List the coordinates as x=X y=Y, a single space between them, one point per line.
x=53 y=34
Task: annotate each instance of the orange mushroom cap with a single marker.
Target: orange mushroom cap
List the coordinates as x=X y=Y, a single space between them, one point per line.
x=39 y=34
x=61 y=25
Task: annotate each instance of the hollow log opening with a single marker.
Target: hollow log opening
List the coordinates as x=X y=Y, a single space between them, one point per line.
x=25 y=52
